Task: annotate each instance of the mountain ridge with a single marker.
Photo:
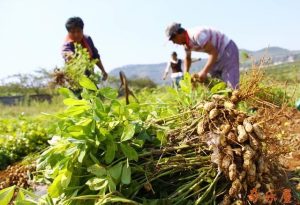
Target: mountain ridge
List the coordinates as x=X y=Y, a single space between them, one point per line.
x=155 y=71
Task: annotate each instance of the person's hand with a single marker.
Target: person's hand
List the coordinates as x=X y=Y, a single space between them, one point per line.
x=202 y=76
x=195 y=78
x=105 y=75
x=68 y=55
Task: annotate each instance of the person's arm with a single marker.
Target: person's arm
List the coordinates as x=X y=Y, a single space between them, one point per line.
x=99 y=62
x=187 y=61
x=67 y=51
x=212 y=58
x=166 y=71
x=104 y=73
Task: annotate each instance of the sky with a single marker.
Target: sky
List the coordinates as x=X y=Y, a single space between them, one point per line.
x=132 y=31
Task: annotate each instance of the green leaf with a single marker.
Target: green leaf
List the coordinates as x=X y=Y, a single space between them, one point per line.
x=108 y=92
x=94 y=159
x=74 y=102
x=70 y=151
x=6 y=195
x=85 y=94
x=144 y=136
x=126 y=174
x=101 y=133
x=25 y=202
x=225 y=92
x=110 y=151
x=20 y=195
x=161 y=136
x=97 y=183
x=99 y=104
x=76 y=110
x=138 y=142
x=66 y=178
x=49 y=200
x=97 y=170
x=116 y=200
x=86 y=125
x=66 y=92
x=81 y=156
x=87 y=83
x=27 y=193
x=93 y=127
x=116 y=171
x=129 y=152
x=219 y=86
x=128 y=132
x=113 y=124
x=75 y=130
x=85 y=122
x=55 y=189
x=186 y=84
x=111 y=185
x=116 y=107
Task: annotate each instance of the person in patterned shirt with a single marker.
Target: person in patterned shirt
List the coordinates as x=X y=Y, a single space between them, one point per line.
x=223 y=54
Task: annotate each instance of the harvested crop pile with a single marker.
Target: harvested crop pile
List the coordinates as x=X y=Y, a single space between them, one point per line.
x=18 y=175
x=237 y=144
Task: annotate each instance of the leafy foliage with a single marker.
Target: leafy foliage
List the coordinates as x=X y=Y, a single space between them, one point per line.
x=19 y=137
x=99 y=139
x=140 y=83
x=6 y=195
x=74 y=70
x=97 y=155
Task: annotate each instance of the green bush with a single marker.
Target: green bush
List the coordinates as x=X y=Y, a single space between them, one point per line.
x=20 y=137
x=140 y=83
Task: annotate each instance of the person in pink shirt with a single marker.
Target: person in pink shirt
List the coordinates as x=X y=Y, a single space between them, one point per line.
x=223 y=54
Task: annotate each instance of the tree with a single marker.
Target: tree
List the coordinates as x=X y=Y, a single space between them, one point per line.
x=22 y=84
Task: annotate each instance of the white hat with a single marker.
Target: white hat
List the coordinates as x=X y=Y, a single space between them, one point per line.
x=172 y=29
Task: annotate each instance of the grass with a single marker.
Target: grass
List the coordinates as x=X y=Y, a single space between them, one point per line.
x=32 y=110
x=286 y=77
x=285 y=72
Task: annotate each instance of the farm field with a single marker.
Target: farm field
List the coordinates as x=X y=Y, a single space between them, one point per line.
x=195 y=145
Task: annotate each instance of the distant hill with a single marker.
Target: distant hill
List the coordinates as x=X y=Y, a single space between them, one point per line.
x=278 y=55
x=272 y=51
x=155 y=71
